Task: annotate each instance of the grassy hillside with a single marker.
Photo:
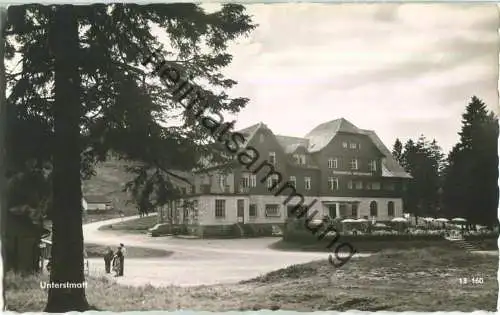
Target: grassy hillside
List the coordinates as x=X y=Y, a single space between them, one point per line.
x=110 y=179
x=139 y=225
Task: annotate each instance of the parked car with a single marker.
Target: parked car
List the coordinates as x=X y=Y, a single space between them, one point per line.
x=276 y=231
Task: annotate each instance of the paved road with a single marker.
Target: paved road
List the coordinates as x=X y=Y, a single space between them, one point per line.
x=195 y=261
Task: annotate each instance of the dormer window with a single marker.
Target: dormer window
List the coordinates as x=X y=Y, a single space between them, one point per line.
x=353 y=145
x=344 y=145
x=299 y=159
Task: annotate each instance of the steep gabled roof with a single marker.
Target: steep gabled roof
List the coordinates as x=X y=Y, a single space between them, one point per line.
x=290 y=144
x=250 y=132
x=390 y=167
x=184 y=176
x=323 y=134
x=251 y=129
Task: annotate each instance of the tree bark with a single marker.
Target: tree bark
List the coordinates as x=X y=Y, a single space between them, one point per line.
x=3 y=138
x=67 y=235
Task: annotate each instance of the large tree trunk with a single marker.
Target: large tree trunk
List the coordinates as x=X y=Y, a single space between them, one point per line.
x=3 y=129
x=67 y=237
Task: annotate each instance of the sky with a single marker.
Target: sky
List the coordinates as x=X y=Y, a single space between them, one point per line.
x=400 y=69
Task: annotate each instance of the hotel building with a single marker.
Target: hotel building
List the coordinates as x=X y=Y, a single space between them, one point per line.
x=342 y=171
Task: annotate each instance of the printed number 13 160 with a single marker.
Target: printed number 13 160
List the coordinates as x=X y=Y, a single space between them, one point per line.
x=473 y=280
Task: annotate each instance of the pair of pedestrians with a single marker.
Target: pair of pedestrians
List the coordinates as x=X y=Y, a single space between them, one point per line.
x=115 y=260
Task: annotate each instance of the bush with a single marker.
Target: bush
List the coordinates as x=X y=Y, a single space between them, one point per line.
x=306 y=236
x=480 y=237
x=259 y=230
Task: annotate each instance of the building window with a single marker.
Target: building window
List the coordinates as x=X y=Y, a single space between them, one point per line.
x=252 y=210
x=195 y=209
x=222 y=180
x=253 y=180
x=272 y=181
x=354 y=208
x=354 y=164
x=332 y=163
x=349 y=184
x=272 y=158
x=404 y=186
x=390 y=208
x=373 y=209
x=373 y=186
x=245 y=181
x=373 y=165
x=358 y=185
x=293 y=181
x=299 y=159
x=307 y=183
x=333 y=183
x=261 y=138
x=272 y=210
x=389 y=186
x=220 y=208
x=353 y=145
x=344 y=145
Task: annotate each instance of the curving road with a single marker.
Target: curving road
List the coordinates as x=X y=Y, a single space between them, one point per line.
x=195 y=261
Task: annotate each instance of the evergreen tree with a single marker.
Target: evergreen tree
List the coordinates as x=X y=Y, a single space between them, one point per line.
x=423 y=159
x=397 y=150
x=81 y=92
x=471 y=182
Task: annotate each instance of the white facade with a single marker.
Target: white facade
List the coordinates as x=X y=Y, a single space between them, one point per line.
x=94 y=206
x=206 y=208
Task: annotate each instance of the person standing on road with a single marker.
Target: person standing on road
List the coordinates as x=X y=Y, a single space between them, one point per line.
x=122 y=258
x=108 y=257
x=117 y=260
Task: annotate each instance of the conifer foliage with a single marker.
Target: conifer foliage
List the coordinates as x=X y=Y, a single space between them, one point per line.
x=471 y=175
x=77 y=92
x=462 y=184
